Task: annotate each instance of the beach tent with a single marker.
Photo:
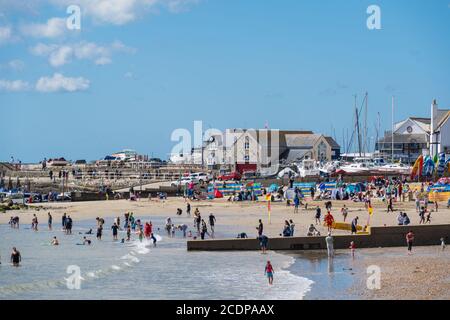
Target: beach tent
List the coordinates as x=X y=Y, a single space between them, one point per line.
x=217 y=194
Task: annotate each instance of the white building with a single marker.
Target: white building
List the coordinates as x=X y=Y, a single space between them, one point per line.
x=440 y=126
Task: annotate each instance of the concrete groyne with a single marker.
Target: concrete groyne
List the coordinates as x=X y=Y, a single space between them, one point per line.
x=425 y=235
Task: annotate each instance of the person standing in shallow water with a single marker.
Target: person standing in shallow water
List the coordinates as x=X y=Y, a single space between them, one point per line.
x=330 y=246
x=269 y=272
x=99 y=232
x=115 y=229
x=16 y=258
x=63 y=221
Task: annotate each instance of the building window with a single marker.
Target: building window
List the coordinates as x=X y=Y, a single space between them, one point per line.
x=247 y=143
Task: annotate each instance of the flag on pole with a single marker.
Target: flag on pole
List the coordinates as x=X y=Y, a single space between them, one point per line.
x=370 y=210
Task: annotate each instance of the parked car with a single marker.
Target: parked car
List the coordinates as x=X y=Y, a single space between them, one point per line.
x=230 y=176
x=64 y=197
x=200 y=177
x=182 y=182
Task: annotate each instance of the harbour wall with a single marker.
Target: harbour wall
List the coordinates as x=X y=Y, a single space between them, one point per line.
x=395 y=236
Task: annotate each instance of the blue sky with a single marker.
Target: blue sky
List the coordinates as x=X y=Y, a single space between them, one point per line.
x=139 y=69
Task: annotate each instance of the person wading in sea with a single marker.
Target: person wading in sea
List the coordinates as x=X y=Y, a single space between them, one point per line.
x=269 y=272
x=16 y=258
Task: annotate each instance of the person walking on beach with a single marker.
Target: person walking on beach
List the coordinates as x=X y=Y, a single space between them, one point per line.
x=268 y=271
x=114 y=229
x=50 y=221
x=296 y=203
x=344 y=212
x=188 y=209
x=442 y=244
x=212 y=221
x=355 y=225
x=204 y=230
x=16 y=258
x=390 y=205
x=329 y=220
x=422 y=215
x=428 y=217
x=330 y=247
x=318 y=215
x=409 y=241
x=260 y=228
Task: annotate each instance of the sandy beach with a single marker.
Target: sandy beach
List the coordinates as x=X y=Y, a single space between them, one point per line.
x=244 y=214
x=423 y=275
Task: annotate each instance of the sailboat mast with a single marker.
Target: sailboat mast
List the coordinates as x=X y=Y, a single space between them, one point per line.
x=366 y=145
x=392 y=129
x=357 y=128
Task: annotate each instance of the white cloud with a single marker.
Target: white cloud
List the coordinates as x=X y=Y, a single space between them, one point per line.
x=16 y=65
x=102 y=61
x=58 y=82
x=120 y=12
x=13 y=85
x=5 y=34
x=53 y=28
x=59 y=55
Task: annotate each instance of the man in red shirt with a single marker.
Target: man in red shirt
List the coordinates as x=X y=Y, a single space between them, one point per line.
x=409 y=240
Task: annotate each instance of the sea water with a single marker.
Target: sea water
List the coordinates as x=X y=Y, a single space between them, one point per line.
x=137 y=270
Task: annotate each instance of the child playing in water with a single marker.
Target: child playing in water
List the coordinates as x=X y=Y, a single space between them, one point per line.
x=269 y=272
x=128 y=233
